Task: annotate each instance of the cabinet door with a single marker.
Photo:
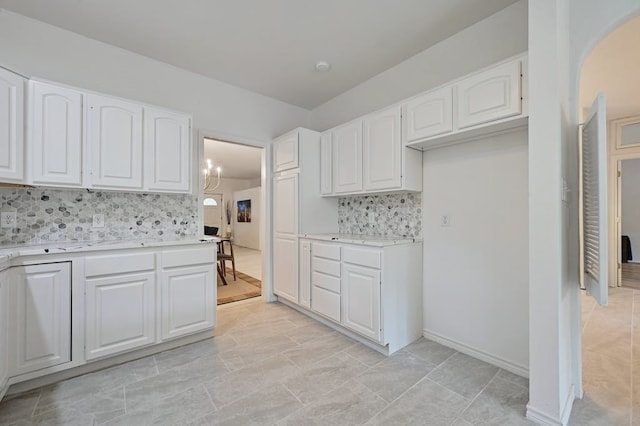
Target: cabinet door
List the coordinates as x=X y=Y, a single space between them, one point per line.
x=4 y=346
x=382 y=150
x=120 y=313
x=285 y=267
x=42 y=317
x=347 y=157
x=285 y=152
x=325 y=164
x=55 y=135
x=285 y=208
x=114 y=141
x=361 y=300
x=11 y=127
x=490 y=95
x=429 y=115
x=305 y=273
x=167 y=154
x=188 y=300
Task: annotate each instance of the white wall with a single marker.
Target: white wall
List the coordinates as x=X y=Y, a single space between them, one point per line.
x=631 y=204
x=476 y=269
x=34 y=48
x=497 y=37
x=248 y=234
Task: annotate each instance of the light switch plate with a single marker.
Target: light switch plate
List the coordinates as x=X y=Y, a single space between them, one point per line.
x=445 y=220
x=8 y=219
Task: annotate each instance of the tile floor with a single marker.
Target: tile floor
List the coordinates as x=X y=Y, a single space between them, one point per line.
x=248 y=261
x=611 y=361
x=271 y=365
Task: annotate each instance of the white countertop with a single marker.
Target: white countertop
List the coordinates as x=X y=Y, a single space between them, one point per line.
x=368 y=240
x=10 y=252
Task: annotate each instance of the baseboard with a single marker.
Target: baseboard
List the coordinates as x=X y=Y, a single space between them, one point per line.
x=477 y=353
x=568 y=405
x=540 y=417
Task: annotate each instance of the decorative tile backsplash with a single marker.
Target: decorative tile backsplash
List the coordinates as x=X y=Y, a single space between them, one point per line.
x=394 y=214
x=45 y=215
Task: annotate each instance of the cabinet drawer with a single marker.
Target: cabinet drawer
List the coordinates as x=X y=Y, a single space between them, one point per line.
x=326 y=282
x=195 y=256
x=363 y=257
x=328 y=251
x=325 y=266
x=326 y=303
x=118 y=264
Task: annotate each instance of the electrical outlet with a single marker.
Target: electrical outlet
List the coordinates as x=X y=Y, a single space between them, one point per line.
x=445 y=220
x=8 y=219
x=372 y=218
x=98 y=220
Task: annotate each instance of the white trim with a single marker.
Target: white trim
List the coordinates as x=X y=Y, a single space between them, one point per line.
x=542 y=418
x=514 y=368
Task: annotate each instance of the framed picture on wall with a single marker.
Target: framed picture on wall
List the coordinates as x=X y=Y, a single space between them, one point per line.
x=244 y=211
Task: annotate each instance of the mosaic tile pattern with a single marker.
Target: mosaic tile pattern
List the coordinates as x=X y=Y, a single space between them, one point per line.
x=395 y=214
x=46 y=215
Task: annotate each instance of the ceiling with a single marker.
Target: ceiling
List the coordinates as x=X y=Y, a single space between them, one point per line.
x=237 y=161
x=613 y=67
x=269 y=47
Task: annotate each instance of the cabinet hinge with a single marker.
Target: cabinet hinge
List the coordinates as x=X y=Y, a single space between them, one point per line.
x=619 y=174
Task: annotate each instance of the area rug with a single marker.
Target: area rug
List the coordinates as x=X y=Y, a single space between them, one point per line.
x=244 y=287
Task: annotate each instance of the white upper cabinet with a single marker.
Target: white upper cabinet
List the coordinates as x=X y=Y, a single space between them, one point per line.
x=285 y=152
x=114 y=132
x=167 y=151
x=55 y=136
x=326 y=181
x=11 y=127
x=382 y=150
x=347 y=157
x=286 y=204
x=429 y=114
x=490 y=95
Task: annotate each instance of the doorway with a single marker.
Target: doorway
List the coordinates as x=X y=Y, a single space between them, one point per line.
x=628 y=226
x=233 y=210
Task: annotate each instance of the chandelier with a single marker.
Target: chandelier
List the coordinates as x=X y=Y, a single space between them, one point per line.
x=208 y=177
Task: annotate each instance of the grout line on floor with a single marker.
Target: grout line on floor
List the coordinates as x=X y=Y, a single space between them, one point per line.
x=481 y=390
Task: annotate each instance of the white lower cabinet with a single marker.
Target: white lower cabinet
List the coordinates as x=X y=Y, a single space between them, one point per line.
x=361 y=300
x=120 y=302
x=305 y=274
x=285 y=271
x=373 y=291
x=4 y=368
x=40 y=325
x=120 y=313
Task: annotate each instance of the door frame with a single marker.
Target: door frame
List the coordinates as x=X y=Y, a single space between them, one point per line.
x=265 y=192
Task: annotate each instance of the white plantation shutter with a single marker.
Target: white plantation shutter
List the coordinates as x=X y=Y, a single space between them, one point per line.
x=594 y=201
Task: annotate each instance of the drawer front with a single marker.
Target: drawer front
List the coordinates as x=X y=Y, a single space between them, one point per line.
x=113 y=264
x=326 y=303
x=363 y=257
x=326 y=282
x=325 y=266
x=194 y=256
x=327 y=251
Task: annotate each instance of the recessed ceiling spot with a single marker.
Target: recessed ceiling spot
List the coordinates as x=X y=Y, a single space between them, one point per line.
x=323 y=66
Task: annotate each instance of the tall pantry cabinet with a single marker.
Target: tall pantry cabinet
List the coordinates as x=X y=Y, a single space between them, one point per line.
x=298 y=206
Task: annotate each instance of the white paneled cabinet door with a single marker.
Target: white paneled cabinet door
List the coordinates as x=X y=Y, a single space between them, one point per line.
x=120 y=313
x=55 y=135
x=11 y=127
x=167 y=146
x=285 y=152
x=361 y=300
x=490 y=95
x=4 y=367
x=285 y=270
x=305 y=273
x=347 y=157
x=326 y=170
x=429 y=115
x=286 y=204
x=382 y=150
x=42 y=322
x=114 y=141
x=188 y=300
